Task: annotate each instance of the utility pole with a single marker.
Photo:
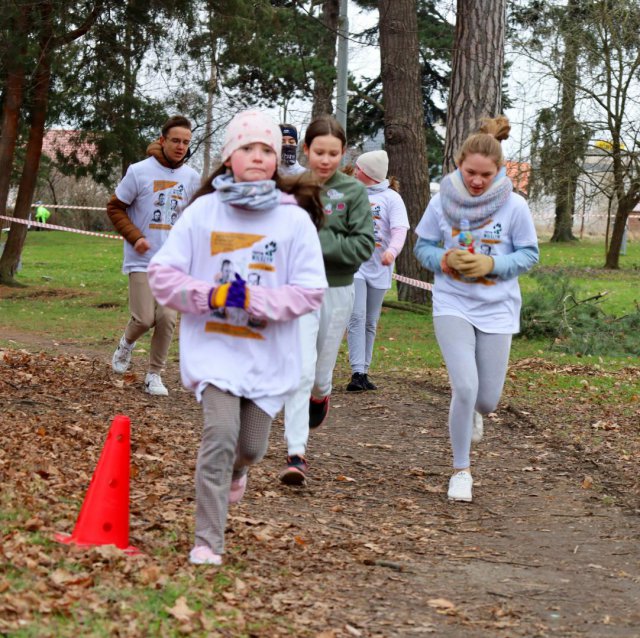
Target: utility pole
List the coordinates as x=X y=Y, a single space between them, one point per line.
x=343 y=63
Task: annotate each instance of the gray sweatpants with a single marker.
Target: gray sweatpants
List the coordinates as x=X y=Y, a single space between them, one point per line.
x=235 y=435
x=477 y=366
x=361 y=331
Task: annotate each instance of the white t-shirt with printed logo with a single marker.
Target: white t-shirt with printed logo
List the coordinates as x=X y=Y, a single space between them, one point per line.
x=248 y=357
x=489 y=303
x=155 y=196
x=388 y=211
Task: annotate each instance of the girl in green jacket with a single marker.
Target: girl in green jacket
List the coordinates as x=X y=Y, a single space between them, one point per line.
x=347 y=241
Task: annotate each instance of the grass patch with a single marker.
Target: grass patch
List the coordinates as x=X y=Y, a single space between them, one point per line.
x=76 y=291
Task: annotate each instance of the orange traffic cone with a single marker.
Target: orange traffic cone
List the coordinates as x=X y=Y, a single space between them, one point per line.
x=104 y=516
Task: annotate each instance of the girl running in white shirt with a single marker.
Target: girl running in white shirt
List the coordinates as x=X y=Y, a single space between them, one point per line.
x=239 y=342
x=489 y=239
x=390 y=225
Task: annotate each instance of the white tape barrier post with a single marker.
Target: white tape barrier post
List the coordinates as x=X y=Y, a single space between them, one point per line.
x=28 y=222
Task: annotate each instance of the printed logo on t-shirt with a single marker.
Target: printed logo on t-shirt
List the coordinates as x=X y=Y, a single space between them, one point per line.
x=262 y=257
x=231 y=330
x=166 y=207
x=377 y=219
x=162 y=185
x=236 y=322
x=332 y=193
x=228 y=242
x=492 y=235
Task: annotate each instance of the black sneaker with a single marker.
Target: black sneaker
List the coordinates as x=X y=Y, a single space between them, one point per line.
x=369 y=384
x=318 y=410
x=295 y=472
x=357 y=383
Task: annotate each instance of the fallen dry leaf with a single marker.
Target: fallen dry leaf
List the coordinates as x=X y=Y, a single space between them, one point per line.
x=181 y=610
x=440 y=603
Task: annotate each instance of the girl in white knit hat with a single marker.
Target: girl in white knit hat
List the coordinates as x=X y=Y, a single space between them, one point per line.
x=373 y=279
x=239 y=341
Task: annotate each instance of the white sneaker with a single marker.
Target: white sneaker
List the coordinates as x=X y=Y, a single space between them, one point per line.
x=460 y=485
x=478 y=428
x=121 y=360
x=153 y=385
x=203 y=555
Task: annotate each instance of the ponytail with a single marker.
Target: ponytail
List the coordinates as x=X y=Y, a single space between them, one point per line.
x=487 y=140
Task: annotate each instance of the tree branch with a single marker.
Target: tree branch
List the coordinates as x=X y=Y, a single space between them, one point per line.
x=83 y=28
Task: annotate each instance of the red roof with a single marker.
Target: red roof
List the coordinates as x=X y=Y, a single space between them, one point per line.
x=67 y=143
x=519 y=173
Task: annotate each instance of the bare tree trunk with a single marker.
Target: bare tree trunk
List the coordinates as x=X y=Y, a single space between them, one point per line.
x=476 y=75
x=404 y=124
x=15 y=241
x=625 y=205
x=13 y=96
x=208 y=127
x=324 y=80
x=40 y=101
x=566 y=181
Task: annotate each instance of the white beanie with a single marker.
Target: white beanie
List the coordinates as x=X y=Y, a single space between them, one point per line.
x=248 y=127
x=374 y=164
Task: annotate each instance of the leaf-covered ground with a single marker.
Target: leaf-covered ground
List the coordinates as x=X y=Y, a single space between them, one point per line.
x=370 y=547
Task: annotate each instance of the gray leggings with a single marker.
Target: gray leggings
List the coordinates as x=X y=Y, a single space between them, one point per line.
x=235 y=435
x=477 y=366
x=361 y=330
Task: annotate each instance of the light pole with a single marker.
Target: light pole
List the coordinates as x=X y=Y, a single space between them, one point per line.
x=343 y=63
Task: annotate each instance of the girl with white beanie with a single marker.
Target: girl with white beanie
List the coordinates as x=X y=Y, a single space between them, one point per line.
x=239 y=342
x=373 y=279
x=477 y=236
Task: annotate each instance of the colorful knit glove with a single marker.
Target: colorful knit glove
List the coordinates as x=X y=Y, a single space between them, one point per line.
x=233 y=295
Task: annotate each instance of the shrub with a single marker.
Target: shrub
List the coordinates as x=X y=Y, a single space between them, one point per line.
x=554 y=310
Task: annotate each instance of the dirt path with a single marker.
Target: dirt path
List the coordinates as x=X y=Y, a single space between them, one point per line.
x=370 y=547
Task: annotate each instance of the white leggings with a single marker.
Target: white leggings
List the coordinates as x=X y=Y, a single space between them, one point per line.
x=321 y=333
x=477 y=366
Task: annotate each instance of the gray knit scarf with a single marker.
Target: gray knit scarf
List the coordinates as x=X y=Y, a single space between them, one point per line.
x=260 y=195
x=458 y=204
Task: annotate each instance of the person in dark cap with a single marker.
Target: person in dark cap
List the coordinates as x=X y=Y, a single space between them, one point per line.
x=289 y=165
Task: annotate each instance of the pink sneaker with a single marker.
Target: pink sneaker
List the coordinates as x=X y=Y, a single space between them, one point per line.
x=203 y=555
x=238 y=487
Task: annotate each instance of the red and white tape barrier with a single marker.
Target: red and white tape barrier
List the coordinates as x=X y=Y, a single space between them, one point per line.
x=405 y=280
x=15 y=220
x=413 y=282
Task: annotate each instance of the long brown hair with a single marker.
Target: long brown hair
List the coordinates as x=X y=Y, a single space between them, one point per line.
x=487 y=140
x=325 y=125
x=303 y=187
